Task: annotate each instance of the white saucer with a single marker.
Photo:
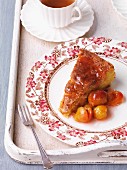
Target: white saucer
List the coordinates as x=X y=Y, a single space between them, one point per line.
x=33 y=23
x=121 y=7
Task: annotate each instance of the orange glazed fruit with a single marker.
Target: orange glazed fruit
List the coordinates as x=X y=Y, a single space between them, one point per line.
x=100 y=112
x=84 y=114
x=97 y=97
x=115 y=98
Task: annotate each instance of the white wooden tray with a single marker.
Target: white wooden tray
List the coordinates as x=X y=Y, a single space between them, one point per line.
x=19 y=141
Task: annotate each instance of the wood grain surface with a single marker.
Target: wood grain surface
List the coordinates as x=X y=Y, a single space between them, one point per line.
x=6 y=29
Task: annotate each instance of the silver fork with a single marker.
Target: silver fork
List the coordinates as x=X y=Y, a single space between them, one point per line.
x=27 y=120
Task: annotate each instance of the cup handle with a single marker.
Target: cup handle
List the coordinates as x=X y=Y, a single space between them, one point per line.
x=76 y=9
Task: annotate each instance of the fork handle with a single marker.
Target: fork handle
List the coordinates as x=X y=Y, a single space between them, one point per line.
x=45 y=159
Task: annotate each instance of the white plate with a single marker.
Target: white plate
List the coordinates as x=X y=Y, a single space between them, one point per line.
x=56 y=89
x=121 y=7
x=33 y=23
x=45 y=88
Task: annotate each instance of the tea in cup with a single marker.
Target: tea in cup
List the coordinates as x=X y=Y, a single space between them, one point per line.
x=59 y=13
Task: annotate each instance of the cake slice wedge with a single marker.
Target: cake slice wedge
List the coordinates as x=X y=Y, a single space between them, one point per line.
x=89 y=73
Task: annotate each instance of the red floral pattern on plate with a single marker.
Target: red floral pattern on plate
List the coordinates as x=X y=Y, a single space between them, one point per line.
x=40 y=74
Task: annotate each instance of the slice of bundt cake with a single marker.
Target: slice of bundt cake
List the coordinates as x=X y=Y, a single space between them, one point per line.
x=89 y=73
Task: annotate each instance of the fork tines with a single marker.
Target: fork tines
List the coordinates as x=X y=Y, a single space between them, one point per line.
x=25 y=115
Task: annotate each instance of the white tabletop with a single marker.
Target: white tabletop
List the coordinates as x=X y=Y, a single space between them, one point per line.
x=107 y=23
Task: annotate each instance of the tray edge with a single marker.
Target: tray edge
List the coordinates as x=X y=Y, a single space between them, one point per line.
x=16 y=153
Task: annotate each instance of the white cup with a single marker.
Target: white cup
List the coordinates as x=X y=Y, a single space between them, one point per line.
x=59 y=17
